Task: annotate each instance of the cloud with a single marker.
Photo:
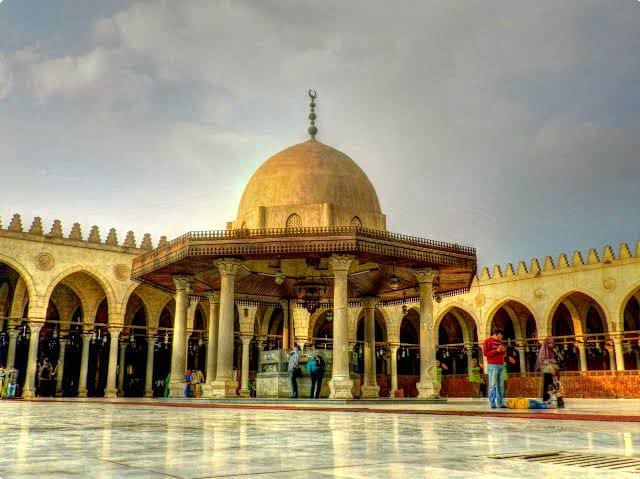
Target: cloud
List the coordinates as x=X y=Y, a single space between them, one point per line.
x=476 y=122
x=6 y=78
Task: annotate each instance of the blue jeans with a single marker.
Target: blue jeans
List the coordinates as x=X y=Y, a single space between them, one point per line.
x=496 y=386
x=533 y=404
x=293 y=381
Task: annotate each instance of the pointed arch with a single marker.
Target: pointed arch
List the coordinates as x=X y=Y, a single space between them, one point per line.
x=98 y=277
x=24 y=274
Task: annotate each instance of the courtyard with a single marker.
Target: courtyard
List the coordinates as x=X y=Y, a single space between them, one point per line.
x=182 y=439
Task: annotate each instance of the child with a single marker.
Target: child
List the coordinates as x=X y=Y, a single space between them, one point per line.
x=524 y=403
x=475 y=378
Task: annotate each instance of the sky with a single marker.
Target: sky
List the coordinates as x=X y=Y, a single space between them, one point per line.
x=510 y=126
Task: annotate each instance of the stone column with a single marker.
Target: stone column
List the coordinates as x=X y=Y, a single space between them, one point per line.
x=11 y=354
x=148 y=378
x=425 y=279
x=122 y=367
x=341 y=383
x=84 y=365
x=212 y=346
x=187 y=337
x=60 y=371
x=224 y=385
x=370 y=388
x=468 y=348
x=244 y=388
x=111 y=391
x=523 y=359
x=29 y=390
x=612 y=358
x=394 y=369
x=286 y=338
x=178 y=353
x=619 y=354
x=582 y=352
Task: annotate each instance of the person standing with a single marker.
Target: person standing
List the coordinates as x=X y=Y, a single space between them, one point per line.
x=494 y=351
x=475 y=378
x=315 y=368
x=548 y=364
x=294 y=370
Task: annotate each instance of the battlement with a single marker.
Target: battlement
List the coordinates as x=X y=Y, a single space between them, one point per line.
x=56 y=232
x=549 y=265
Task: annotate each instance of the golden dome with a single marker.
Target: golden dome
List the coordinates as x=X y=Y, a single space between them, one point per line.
x=301 y=176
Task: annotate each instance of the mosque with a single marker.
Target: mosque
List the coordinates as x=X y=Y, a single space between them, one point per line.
x=308 y=261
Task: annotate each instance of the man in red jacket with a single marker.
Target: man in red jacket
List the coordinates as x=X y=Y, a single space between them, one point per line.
x=494 y=351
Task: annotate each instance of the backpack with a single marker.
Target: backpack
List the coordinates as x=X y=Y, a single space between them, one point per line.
x=312 y=366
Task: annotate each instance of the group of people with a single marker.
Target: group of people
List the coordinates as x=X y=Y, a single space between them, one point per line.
x=547 y=363
x=8 y=383
x=315 y=369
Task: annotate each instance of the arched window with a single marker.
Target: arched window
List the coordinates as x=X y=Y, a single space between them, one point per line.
x=294 y=221
x=355 y=221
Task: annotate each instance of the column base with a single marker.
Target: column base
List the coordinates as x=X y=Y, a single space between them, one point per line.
x=207 y=389
x=245 y=393
x=370 y=391
x=341 y=388
x=111 y=393
x=83 y=394
x=176 y=389
x=28 y=394
x=148 y=394
x=426 y=390
x=224 y=388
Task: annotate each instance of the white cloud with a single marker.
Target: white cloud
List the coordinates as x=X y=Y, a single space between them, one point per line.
x=6 y=78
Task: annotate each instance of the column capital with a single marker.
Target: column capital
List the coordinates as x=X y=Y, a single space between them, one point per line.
x=284 y=304
x=246 y=339
x=369 y=302
x=213 y=297
x=114 y=331
x=35 y=327
x=341 y=262
x=228 y=266
x=151 y=340
x=13 y=333
x=183 y=283
x=426 y=275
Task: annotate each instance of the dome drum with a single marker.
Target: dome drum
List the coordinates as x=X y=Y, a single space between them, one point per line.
x=312 y=215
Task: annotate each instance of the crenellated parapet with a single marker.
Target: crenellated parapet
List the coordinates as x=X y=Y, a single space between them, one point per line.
x=561 y=264
x=56 y=232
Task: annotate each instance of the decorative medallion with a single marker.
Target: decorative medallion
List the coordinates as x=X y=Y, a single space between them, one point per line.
x=479 y=300
x=121 y=271
x=609 y=284
x=44 y=261
x=539 y=293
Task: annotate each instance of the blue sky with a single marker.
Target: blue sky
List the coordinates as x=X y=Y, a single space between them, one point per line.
x=510 y=126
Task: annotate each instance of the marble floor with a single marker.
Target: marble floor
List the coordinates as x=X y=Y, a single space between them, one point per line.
x=99 y=439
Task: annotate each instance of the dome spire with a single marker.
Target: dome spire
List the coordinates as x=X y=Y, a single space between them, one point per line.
x=313 y=131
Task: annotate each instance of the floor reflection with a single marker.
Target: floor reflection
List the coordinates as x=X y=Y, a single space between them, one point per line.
x=57 y=440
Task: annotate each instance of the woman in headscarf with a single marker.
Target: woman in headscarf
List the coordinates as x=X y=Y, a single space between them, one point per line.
x=547 y=364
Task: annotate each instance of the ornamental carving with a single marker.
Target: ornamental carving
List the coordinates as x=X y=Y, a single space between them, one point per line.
x=228 y=266
x=426 y=275
x=340 y=262
x=121 y=272
x=539 y=293
x=479 y=300
x=609 y=284
x=44 y=261
x=183 y=283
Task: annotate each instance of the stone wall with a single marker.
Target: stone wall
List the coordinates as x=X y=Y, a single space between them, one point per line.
x=576 y=384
